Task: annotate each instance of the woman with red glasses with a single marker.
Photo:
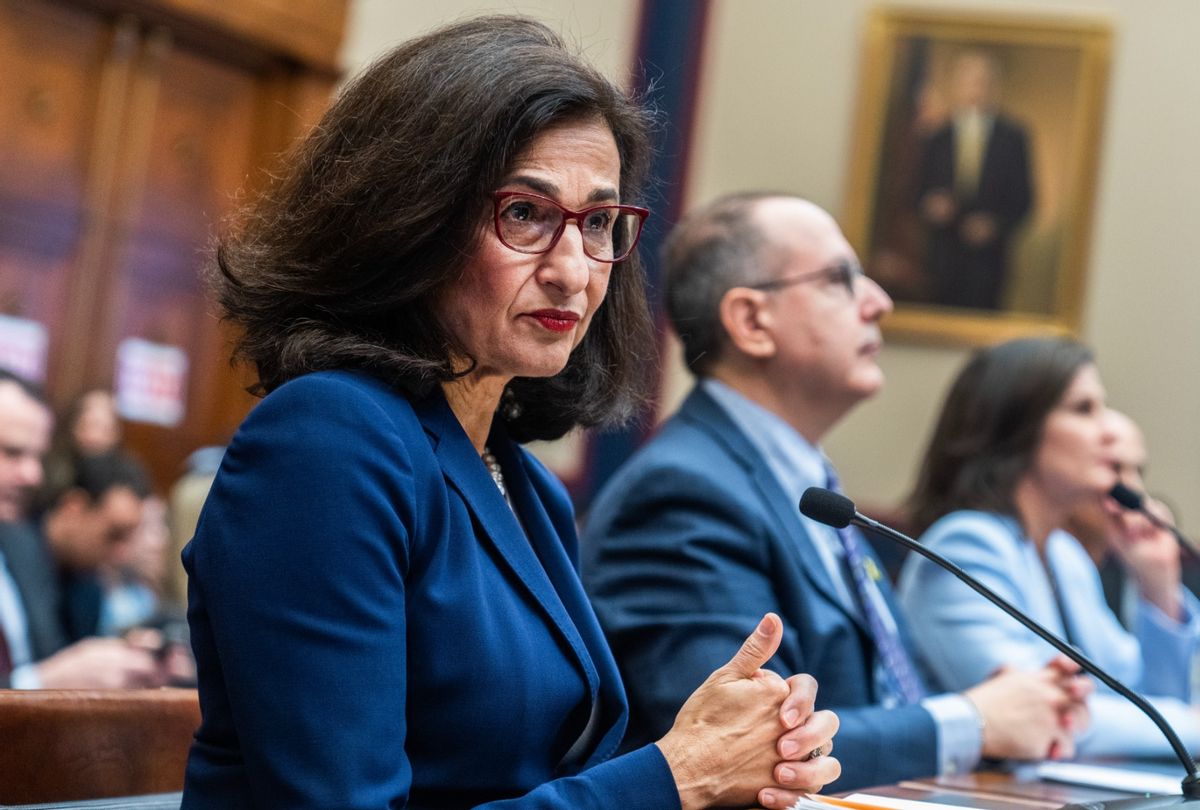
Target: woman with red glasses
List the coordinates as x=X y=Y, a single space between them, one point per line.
x=383 y=593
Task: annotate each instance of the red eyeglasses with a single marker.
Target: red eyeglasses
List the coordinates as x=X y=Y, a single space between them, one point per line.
x=531 y=223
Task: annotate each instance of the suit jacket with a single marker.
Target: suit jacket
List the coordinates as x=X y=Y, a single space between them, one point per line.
x=964 y=637
x=975 y=276
x=32 y=570
x=1005 y=189
x=374 y=628
x=685 y=550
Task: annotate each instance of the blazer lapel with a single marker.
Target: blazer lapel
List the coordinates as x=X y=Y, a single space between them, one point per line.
x=495 y=522
x=551 y=534
x=704 y=410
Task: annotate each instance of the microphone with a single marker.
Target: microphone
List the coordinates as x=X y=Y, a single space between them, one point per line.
x=833 y=509
x=1136 y=502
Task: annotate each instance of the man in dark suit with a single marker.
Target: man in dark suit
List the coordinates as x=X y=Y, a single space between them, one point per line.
x=699 y=533
x=92 y=518
x=34 y=649
x=974 y=190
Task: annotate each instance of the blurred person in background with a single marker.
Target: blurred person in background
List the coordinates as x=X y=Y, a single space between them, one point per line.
x=1100 y=528
x=184 y=503
x=1024 y=441
x=34 y=647
x=88 y=527
x=699 y=533
x=89 y=427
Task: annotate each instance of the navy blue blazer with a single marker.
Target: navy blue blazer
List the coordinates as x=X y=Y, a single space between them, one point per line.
x=373 y=628
x=687 y=547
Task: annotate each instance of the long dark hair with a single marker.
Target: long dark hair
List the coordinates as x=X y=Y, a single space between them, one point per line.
x=379 y=209
x=991 y=425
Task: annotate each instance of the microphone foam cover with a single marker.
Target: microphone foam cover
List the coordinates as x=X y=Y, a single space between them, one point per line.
x=1126 y=496
x=828 y=507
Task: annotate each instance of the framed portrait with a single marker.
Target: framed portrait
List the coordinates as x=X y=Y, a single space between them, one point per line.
x=974 y=168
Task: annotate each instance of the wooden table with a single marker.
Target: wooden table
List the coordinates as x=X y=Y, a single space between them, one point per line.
x=996 y=791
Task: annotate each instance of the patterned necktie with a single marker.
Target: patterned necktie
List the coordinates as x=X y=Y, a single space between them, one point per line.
x=898 y=666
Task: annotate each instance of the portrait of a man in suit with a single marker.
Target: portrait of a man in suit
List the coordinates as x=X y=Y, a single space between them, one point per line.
x=974 y=189
x=970 y=187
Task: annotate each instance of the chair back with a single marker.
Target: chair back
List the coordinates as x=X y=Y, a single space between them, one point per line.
x=64 y=745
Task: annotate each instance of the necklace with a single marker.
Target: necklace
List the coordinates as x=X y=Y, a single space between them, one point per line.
x=494 y=468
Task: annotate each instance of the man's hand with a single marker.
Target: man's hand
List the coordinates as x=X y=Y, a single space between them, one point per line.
x=100 y=663
x=979 y=229
x=938 y=207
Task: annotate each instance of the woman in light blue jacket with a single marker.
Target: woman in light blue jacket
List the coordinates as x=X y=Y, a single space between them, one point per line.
x=1023 y=441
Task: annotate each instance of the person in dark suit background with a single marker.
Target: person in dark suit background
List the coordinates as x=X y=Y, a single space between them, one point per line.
x=35 y=649
x=91 y=516
x=699 y=532
x=974 y=189
x=382 y=592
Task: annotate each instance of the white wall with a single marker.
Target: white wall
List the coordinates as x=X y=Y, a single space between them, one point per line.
x=780 y=89
x=604 y=31
x=778 y=95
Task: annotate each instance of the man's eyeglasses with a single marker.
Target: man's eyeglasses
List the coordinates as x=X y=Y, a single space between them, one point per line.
x=531 y=223
x=844 y=273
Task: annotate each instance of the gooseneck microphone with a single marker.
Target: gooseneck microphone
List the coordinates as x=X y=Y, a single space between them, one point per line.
x=832 y=509
x=1136 y=502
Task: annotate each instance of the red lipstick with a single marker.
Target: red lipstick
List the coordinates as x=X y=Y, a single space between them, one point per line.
x=556 y=320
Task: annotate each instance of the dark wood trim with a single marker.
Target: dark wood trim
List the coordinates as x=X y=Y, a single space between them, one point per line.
x=306 y=32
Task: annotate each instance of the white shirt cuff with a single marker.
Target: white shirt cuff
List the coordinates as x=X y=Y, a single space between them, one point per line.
x=25 y=677
x=959 y=733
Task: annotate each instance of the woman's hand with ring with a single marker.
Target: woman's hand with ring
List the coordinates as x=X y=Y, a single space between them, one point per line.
x=803 y=747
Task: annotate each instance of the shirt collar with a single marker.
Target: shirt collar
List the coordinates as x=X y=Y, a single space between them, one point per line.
x=795 y=463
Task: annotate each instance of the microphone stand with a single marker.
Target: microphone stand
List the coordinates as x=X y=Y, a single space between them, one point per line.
x=1135 y=501
x=1191 y=783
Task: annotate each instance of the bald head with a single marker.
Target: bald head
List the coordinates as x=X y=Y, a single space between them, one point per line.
x=733 y=241
x=974 y=81
x=794 y=230
x=1129 y=449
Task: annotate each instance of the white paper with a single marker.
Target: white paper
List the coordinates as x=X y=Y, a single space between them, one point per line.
x=23 y=347
x=151 y=382
x=895 y=804
x=817 y=803
x=1101 y=776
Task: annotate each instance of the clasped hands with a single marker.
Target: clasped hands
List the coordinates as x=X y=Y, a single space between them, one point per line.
x=1032 y=714
x=748 y=735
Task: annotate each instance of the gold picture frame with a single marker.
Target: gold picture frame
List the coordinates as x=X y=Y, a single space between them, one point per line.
x=977 y=237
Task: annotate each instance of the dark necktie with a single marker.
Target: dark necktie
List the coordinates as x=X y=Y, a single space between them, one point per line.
x=898 y=665
x=6 y=662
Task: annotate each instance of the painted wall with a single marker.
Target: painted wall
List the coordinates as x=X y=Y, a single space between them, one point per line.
x=778 y=111
x=604 y=31
x=779 y=91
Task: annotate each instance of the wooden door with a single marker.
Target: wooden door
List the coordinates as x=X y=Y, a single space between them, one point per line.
x=128 y=132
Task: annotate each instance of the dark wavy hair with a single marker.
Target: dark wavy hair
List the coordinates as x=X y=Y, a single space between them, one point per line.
x=991 y=425
x=379 y=209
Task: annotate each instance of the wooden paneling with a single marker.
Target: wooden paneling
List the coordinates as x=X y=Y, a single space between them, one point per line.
x=308 y=32
x=124 y=141
x=199 y=125
x=59 y=68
